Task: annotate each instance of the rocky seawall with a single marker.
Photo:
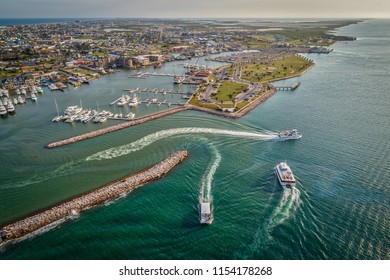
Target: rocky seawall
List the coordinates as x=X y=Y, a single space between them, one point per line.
x=96 y=197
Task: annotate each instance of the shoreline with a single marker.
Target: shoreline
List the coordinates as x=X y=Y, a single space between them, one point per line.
x=67 y=209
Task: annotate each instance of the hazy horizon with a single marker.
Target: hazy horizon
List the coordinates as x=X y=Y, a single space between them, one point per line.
x=175 y=9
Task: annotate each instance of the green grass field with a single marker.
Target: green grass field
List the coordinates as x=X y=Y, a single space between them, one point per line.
x=283 y=68
x=228 y=91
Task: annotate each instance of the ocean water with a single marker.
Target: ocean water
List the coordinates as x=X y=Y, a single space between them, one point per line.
x=340 y=209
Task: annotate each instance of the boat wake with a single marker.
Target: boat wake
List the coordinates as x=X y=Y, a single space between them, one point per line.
x=288 y=204
x=207 y=179
x=149 y=139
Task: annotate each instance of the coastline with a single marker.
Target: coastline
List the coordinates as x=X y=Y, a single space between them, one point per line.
x=72 y=207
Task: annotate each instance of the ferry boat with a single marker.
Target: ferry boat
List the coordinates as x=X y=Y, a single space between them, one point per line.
x=292 y=134
x=285 y=176
x=206 y=215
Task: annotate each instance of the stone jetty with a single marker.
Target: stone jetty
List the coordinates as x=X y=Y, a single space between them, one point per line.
x=114 y=128
x=96 y=197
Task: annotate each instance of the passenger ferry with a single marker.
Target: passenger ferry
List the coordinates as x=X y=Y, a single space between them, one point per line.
x=292 y=134
x=285 y=176
x=206 y=215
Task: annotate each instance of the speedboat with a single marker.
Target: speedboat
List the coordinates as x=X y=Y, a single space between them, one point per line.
x=292 y=134
x=285 y=176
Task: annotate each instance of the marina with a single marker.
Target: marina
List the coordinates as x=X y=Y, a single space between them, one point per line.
x=114 y=128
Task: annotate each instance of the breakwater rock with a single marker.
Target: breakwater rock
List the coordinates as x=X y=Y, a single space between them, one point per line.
x=114 y=128
x=96 y=197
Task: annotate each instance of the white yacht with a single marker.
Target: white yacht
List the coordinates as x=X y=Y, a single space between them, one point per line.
x=34 y=97
x=130 y=116
x=134 y=101
x=15 y=101
x=73 y=110
x=21 y=100
x=292 y=134
x=18 y=91
x=123 y=101
x=39 y=89
x=23 y=91
x=178 y=79
x=3 y=110
x=206 y=215
x=285 y=176
x=10 y=108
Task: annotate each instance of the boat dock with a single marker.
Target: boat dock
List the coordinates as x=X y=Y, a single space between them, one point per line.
x=68 y=209
x=293 y=87
x=145 y=75
x=156 y=91
x=117 y=127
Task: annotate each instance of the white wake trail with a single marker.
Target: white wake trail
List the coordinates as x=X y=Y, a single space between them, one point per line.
x=149 y=139
x=205 y=185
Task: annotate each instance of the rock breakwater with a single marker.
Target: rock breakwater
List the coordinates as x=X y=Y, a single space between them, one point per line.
x=96 y=197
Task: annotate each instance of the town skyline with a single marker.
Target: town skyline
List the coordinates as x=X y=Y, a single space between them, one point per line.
x=189 y=9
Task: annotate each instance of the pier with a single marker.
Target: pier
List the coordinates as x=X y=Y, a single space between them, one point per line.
x=293 y=87
x=114 y=128
x=70 y=208
x=156 y=90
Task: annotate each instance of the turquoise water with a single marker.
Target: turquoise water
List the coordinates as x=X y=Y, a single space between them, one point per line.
x=342 y=163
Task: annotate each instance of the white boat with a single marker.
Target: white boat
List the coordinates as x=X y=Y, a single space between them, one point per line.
x=292 y=134
x=154 y=100
x=3 y=110
x=71 y=119
x=134 y=101
x=206 y=215
x=39 y=90
x=52 y=87
x=15 y=101
x=178 y=79
x=285 y=176
x=73 y=110
x=21 y=100
x=18 y=91
x=23 y=91
x=34 y=97
x=123 y=101
x=130 y=116
x=10 y=108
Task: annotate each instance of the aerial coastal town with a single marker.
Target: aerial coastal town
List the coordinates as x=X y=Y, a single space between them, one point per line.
x=71 y=54
x=54 y=57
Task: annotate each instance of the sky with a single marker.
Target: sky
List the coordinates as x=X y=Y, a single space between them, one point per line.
x=195 y=8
